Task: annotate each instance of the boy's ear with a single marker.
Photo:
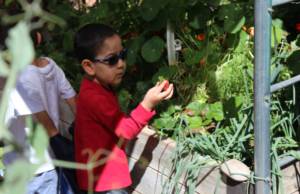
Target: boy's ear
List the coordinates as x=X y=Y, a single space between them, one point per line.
x=88 y=67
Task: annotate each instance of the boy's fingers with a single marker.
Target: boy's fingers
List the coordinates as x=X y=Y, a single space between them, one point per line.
x=166 y=93
x=162 y=85
x=170 y=95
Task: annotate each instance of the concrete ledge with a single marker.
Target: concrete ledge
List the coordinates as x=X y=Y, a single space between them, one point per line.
x=150 y=165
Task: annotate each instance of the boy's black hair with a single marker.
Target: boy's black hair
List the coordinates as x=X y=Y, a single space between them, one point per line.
x=90 y=38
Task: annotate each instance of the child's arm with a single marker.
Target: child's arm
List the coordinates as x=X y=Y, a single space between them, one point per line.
x=107 y=113
x=129 y=127
x=43 y=118
x=72 y=104
x=61 y=146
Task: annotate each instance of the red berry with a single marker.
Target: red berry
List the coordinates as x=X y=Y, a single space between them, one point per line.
x=297 y=27
x=166 y=85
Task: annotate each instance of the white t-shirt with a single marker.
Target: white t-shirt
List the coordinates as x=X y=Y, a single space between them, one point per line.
x=37 y=89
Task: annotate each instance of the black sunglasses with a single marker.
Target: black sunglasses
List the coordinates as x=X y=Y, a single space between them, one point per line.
x=113 y=59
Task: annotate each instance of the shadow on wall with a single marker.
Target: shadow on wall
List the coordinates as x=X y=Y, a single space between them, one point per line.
x=139 y=168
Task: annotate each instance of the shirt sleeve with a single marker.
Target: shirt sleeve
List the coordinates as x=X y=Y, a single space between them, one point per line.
x=137 y=119
x=108 y=114
x=65 y=89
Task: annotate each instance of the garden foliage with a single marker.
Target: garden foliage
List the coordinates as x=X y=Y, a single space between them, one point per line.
x=211 y=114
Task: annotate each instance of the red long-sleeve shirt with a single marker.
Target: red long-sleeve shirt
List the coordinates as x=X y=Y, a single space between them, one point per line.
x=100 y=130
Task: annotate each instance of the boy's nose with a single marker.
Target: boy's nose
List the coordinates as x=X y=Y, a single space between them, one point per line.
x=121 y=63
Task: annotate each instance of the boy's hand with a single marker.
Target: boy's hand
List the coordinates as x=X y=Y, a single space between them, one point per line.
x=161 y=91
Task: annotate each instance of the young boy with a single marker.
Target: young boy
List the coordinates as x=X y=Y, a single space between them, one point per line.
x=38 y=90
x=101 y=129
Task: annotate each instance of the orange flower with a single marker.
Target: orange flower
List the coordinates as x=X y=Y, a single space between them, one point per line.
x=200 y=37
x=251 y=31
x=202 y=62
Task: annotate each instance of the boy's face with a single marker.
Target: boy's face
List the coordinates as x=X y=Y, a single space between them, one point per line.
x=108 y=67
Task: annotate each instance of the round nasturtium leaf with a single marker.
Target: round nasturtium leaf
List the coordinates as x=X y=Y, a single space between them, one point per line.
x=153 y=49
x=234 y=26
x=233 y=17
x=149 y=9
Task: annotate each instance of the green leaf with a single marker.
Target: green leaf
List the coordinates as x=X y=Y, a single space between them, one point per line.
x=232 y=106
x=197 y=107
x=39 y=141
x=298 y=40
x=17 y=177
x=165 y=72
x=233 y=26
x=116 y=1
x=242 y=40
x=153 y=49
x=133 y=50
x=124 y=99
x=53 y=19
x=199 y=21
x=293 y=62
x=20 y=46
x=295 y=154
x=172 y=109
x=226 y=11
x=100 y=12
x=4 y=70
x=206 y=122
x=194 y=122
x=215 y=111
x=166 y=123
x=68 y=41
x=277 y=32
x=193 y=57
x=8 y=2
x=233 y=17
x=215 y=2
x=149 y=9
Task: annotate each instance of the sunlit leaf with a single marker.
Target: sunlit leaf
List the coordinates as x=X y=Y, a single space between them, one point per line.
x=20 y=46
x=215 y=111
x=277 y=32
x=197 y=107
x=194 y=122
x=164 y=123
x=17 y=176
x=40 y=141
x=4 y=70
x=295 y=154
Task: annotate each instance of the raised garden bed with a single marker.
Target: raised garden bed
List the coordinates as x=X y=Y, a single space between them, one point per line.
x=150 y=164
